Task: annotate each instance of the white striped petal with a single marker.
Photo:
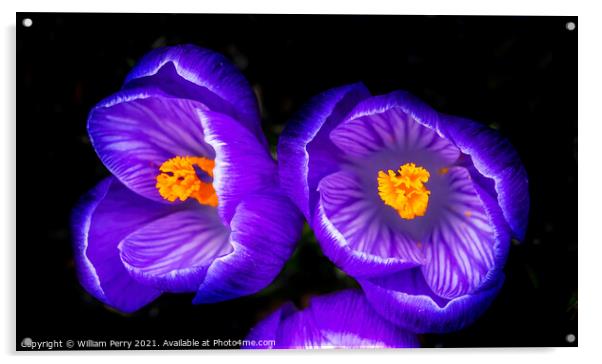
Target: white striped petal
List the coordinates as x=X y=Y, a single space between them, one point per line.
x=460 y=248
x=361 y=222
x=392 y=130
x=174 y=252
x=135 y=132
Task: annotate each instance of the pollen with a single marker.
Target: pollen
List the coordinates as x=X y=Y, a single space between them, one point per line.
x=187 y=177
x=405 y=190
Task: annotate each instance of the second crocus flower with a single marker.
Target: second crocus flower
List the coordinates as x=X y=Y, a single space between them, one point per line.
x=418 y=206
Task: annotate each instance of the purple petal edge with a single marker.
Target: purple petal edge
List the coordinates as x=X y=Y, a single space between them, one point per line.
x=293 y=157
x=207 y=70
x=419 y=310
x=137 y=295
x=494 y=157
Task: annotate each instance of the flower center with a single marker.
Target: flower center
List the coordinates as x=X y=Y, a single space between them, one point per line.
x=405 y=191
x=184 y=177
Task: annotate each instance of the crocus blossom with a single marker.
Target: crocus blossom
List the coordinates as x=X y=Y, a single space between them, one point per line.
x=338 y=320
x=193 y=203
x=418 y=206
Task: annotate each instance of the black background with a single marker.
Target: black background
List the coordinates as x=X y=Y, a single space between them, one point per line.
x=517 y=74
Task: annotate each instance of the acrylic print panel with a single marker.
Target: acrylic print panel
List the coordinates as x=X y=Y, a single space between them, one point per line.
x=251 y=182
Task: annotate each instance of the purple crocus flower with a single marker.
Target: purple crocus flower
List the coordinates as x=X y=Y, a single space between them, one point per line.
x=418 y=206
x=193 y=204
x=338 y=320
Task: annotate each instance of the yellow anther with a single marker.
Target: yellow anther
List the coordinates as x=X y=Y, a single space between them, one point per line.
x=405 y=191
x=179 y=180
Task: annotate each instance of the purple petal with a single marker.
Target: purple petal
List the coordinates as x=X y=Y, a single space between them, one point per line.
x=243 y=165
x=174 y=252
x=353 y=233
x=188 y=71
x=405 y=299
x=265 y=228
x=106 y=215
x=495 y=158
x=369 y=131
x=305 y=153
x=135 y=131
x=460 y=250
x=339 y=320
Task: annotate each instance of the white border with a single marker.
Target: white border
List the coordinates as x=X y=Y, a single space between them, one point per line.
x=590 y=203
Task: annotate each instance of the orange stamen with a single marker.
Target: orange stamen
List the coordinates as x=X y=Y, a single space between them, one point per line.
x=179 y=180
